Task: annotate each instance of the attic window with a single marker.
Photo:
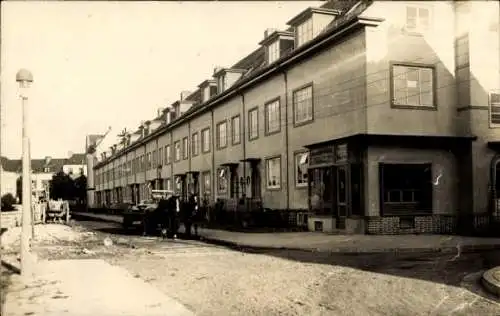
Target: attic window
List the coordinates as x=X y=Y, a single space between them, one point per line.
x=304 y=32
x=221 y=83
x=273 y=51
x=417 y=19
x=46 y=169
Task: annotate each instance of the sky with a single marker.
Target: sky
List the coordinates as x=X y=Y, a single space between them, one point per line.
x=101 y=64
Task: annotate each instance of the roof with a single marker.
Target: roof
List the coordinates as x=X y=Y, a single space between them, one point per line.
x=38 y=165
x=257 y=67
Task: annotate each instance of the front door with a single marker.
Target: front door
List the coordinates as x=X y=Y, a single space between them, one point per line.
x=342 y=196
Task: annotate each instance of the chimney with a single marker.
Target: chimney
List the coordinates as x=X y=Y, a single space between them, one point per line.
x=268 y=32
x=217 y=69
x=159 y=111
x=184 y=95
x=167 y=113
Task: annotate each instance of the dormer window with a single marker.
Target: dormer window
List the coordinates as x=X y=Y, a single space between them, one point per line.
x=222 y=83
x=310 y=22
x=273 y=51
x=304 y=32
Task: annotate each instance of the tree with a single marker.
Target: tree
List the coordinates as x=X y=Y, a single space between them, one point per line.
x=81 y=188
x=62 y=187
x=8 y=201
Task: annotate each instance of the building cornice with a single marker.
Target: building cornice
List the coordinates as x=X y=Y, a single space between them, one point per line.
x=343 y=29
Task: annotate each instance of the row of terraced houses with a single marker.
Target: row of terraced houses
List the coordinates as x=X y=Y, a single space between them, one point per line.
x=374 y=117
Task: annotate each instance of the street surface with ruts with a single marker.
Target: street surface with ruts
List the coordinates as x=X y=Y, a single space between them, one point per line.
x=214 y=280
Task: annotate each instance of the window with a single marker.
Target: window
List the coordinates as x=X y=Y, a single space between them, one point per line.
x=222 y=83
x=273 y=173
x=207 y=183
x=160 y=156
x=221 y=135
x=417 y=19
x=205 y=140
x=303 y=105
x=406 y=188
x=177 y=151
x=155 y=159
x=46 y=169
x=235 y=130
x=168 y=156
x=272 y=117
x=304 y=32
x=185 y=148
x=221 y=180
x=253 y=124
x=413 y=86
x=273 y=51
x=168 y=184
x=301 y=160
x=195 y=144
x=494 y=108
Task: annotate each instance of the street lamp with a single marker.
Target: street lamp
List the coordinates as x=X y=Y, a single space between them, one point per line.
x=24 y=78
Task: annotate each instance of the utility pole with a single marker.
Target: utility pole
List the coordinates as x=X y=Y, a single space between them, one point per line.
x=24 y=78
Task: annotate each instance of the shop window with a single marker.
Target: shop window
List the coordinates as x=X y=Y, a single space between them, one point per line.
x=405 y=189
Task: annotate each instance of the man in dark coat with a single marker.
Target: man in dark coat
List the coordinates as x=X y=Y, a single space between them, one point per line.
x=172 y=206
x=187 y=215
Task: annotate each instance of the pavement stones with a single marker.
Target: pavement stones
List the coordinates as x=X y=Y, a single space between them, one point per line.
x=88 y=287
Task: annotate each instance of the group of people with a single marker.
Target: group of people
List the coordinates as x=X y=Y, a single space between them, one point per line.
x=173 y=211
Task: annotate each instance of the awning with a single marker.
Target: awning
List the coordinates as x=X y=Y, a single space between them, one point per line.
x=230 y=164
x=251 y=160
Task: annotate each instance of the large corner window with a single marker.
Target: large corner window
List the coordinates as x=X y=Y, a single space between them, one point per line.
x=413 y=86
x=301 y=172
x=304 y=32
x=405 y=189
x=303 y=105
x=273 y=51
x=222 y=135
x=221 y=180
x=494 y=107
x=273 y=173
x=273 y=117
x=418 y=19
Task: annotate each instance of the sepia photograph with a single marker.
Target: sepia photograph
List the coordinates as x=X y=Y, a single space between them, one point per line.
x=250 y=158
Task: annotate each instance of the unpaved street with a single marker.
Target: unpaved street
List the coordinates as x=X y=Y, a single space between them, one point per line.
x=212 y=280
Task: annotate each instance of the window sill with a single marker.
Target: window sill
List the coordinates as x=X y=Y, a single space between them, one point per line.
x=302 y=123
x=272 y=133
x=414 y=107
x=273 y=188
x=300 y=186
x=252 y=139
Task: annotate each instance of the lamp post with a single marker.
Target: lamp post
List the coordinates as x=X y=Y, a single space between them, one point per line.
x=24 y=78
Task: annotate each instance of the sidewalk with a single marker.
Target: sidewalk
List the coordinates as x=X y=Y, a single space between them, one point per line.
x=87 y=287
x=312 y=241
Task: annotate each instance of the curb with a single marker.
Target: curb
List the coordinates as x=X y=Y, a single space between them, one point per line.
x=340 y=250
x=348 y=250
x=490 y=282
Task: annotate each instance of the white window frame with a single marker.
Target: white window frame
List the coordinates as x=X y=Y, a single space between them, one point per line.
x=205 y=140
x=494 y=108
x=303 y=105
x=177 y=150
x=273 y=51
x=185 y=148
x=253 y=124
x=160 y=156
x=222 y=180
x=304 y=32
x=405 y=71
x=168 y=155
x=273 y=116
x=420 y=25
x=236 y=130
x=195 y=143
x=222 y=135
x=276 y=184
x=301 y=161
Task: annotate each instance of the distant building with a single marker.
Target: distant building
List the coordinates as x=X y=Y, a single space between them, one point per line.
x=42 y=172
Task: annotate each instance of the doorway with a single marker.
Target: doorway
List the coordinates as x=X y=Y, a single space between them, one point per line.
x=341 y=195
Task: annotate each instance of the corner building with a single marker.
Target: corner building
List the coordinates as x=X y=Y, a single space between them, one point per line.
x=361 y=117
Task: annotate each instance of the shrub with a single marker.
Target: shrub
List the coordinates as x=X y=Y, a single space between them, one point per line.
x=8 y=201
